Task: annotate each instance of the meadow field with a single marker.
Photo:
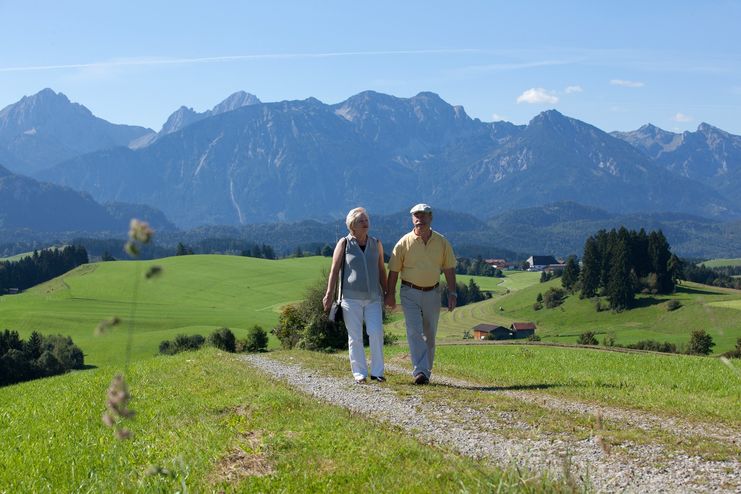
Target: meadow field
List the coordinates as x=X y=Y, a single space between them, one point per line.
x=194 y=294
x=716 y=310
x=717 y=263
x=206 y=421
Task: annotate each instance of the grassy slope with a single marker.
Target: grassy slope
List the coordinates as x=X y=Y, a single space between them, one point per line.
x=699 y=388
x=714 y=309
x=194 y=294
x=193 y=410
x=715 y=263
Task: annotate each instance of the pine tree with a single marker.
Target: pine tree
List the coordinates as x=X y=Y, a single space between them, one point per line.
x=590 y=269
x=570 y=274
x=659 y=255
x=34 y=346
x=621 y=287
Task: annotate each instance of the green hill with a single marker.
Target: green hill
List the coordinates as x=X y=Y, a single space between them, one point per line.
x=716 y=310
x=717 y=263
x=194 y=294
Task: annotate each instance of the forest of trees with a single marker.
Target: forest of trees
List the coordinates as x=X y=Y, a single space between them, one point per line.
x=39 y=356
x=476 y=267
x=40 y=267
x=467 y=294
x=620 y=263
x=719 y=276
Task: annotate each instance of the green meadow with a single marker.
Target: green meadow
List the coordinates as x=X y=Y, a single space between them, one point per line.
x=717 y=263
x=716 y=310
x=194 y=294
x=206 y=422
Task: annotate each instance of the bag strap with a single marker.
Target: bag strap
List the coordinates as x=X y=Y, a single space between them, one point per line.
x=342 y=271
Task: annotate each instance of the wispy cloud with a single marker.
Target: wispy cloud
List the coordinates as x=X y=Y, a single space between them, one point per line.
x=624 y=83
x=503 y=67
x=153 y=61
x=536 y=96
x=681 y=117
x=573 y=89
x=495 y=117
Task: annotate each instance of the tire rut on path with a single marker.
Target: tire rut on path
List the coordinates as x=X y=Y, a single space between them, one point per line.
x=628 y=468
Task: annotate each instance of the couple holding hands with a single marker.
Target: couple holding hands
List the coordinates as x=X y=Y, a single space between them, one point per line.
x=418 y=258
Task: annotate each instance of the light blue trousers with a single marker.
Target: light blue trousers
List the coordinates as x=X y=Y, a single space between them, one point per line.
x=355 y=312
x=421 y=313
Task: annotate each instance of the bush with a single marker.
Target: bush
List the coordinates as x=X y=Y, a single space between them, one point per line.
x=609 y=339
x=587 y=338
x=673 y=304
x=40 y=356
x=554 y=297
x=700 y=343
x=256 y=340
x=653 y=346
x=537 y=306
x=390 y=339
x=599 y=306
x=223 y=339
x=736 y=352
x=181 y=343
x=306 y=325
x=533 y=337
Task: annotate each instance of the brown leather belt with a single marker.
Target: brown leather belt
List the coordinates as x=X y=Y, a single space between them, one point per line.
x=421 y=288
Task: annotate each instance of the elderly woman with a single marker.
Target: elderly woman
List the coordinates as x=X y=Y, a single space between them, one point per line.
x=363 y=289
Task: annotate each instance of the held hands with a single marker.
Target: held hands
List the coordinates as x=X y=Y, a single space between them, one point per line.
x=390 y=300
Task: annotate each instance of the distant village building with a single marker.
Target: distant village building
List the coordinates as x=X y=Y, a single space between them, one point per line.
x=539 y=263
x=498 y=263
x=483 y=332
x=522 y=329
x=518 y=330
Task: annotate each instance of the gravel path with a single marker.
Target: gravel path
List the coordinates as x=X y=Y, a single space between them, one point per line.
x=627 y=468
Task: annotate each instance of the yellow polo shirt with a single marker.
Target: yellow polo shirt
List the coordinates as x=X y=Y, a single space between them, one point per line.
x=419 y=263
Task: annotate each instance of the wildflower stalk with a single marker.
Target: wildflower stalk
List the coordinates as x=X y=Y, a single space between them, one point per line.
x=118 y=396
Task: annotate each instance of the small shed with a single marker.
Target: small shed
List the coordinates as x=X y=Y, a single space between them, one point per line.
x=522 y=329
x=483 y=331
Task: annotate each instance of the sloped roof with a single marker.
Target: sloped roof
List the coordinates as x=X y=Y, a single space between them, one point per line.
x=523 y=325
x=488 y=328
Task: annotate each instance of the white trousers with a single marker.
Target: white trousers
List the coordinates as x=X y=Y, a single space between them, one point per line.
x=355 y=312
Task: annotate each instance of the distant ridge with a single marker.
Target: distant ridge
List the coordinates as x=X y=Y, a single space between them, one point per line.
x=294 y=160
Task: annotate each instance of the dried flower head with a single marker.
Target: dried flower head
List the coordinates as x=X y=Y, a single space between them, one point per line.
x=140 y=231
x=105 y=325
x=153 y=272
x=117 y=406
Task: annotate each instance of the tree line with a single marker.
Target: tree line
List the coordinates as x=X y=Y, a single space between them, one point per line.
x=720 y=276
x=40 y=267
x=39 y=356
x=620 y=263
x=476 y=267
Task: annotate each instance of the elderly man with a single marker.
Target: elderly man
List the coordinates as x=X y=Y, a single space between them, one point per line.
x=420 y=256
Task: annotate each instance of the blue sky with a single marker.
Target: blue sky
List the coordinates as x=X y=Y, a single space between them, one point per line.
x=618 y=66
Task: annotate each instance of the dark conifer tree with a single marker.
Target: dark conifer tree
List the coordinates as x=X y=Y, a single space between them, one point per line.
x=570 y=275
x=590 y=270
x=621 y=289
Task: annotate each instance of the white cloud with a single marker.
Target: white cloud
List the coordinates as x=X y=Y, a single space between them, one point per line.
x=624 y=83
x=495 y=117
x=148 y=61
x=681 y=117
x=536 y=96
x=573 y=89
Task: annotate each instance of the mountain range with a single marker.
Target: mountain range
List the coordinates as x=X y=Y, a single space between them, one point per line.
x=26 y=204
x=246 y=162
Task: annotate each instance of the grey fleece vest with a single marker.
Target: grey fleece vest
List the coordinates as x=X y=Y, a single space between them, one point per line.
x=360 y=280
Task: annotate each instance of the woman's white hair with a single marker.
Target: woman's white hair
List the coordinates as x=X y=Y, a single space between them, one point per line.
x=352 y=216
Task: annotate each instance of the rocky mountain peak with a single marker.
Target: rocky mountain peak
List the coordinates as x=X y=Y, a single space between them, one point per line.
x=234 y=101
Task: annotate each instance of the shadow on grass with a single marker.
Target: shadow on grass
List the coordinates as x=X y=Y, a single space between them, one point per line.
x=516 y=387
x=695 y=291
x=87 y=367
x=640 y=303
